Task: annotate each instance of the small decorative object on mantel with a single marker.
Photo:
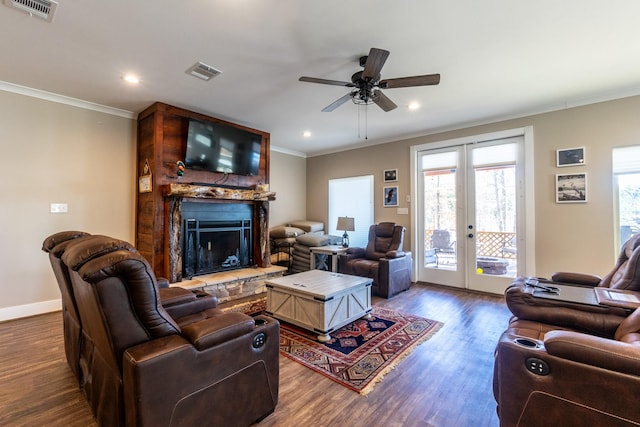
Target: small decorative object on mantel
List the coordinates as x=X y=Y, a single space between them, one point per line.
x=570 y=157
x=390 y=196
x=180 y=166
x=145 y=180
x=390 y=175
x=571 y=188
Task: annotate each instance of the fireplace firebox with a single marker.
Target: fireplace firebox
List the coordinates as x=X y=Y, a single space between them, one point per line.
x=216 y=237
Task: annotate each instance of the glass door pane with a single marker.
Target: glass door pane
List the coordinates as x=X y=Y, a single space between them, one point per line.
x=628 y=205
x=496 y=221
x=440 y=219
x=440 y=193
x=492 y=251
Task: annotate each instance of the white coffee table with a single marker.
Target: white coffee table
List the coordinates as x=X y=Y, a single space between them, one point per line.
x=319 y=301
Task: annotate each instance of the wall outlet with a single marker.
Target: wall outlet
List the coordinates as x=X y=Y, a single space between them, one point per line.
x=58 y=208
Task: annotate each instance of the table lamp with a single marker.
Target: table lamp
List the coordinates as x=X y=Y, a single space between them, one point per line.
x=345 y=223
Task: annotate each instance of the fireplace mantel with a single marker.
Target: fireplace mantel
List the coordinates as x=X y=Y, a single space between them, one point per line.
x=212 y=192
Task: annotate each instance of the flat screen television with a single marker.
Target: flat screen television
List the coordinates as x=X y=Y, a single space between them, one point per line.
x=218 y=148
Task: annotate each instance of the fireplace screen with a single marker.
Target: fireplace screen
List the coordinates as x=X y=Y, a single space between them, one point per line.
x=212 y=246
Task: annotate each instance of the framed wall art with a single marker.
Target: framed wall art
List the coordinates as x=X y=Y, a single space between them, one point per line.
x=390 y=175
x=145 y=181
x=390 y=196
x=571 y=188
x=570 y=157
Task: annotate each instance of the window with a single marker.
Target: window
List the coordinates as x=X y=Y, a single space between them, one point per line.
x=352 y=197
x=626 y=177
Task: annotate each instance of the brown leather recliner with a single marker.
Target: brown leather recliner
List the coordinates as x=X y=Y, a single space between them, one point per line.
x=55 y=245
x=550 y=376
x=142 y=367
x=599 y=320
x=179 y=302
x=383 y=260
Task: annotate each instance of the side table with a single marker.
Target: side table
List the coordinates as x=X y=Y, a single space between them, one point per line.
x=320 y=254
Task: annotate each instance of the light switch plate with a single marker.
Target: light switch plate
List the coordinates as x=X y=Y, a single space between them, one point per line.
x=58 y=208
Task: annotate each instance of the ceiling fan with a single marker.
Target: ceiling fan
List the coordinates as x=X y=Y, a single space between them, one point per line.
x=366 y=84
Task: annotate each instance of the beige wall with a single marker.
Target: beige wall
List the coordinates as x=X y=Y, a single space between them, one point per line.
x=62 y=154
x=288 y=180
x=574 y=237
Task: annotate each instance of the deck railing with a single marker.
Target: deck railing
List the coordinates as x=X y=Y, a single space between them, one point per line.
x=498 y=244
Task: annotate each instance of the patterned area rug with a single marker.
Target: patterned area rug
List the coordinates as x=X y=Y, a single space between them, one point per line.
x=361 y=353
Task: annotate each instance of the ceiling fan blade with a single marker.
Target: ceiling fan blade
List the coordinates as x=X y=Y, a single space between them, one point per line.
x=335 y=104
x=426 y=80
x=325 y=81
x=375 y=61
x=383 y=101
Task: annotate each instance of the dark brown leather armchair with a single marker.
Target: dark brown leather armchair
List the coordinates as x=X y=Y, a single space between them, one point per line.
x=383 y=260
x=599 y=320
x=550 y=376
x=142 y=367
x=177 y=301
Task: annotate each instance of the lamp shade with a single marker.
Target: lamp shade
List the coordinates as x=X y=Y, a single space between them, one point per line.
x=345 y=223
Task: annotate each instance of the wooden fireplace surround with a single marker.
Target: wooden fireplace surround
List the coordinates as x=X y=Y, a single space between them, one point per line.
x=162 y=135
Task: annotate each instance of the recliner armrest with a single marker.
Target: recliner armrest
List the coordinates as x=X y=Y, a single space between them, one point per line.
x=591 y=350
x=394 y=254
x=576 y=278
x=215 y=330
x=355 y=252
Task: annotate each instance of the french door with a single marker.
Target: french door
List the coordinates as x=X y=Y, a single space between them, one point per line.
x=469 y=218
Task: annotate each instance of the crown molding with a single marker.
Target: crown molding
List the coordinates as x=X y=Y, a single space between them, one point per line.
x=66 y=100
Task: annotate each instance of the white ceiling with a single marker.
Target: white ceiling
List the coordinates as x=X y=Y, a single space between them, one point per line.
x=497 y=59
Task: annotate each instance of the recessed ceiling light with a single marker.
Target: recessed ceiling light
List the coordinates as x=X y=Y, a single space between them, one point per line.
x=306 y=133
x=413 y=106
x=131 y=78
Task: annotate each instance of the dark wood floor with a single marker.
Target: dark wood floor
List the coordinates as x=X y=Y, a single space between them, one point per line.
x=446 y=381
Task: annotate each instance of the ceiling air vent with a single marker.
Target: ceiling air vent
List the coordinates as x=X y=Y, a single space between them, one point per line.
x=44 y=9
x=203 y=71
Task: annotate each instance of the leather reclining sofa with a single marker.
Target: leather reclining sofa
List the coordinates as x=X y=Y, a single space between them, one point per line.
x=569 y=364
x=177 y=301
x=140 y=363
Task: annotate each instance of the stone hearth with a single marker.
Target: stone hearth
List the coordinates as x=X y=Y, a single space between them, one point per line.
x=236 y=284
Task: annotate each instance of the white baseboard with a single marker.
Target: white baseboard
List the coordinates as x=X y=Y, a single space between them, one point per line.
x=18 y=311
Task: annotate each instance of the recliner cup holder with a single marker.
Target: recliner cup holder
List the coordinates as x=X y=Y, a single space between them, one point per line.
x=259 y=322
x=526 y=342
